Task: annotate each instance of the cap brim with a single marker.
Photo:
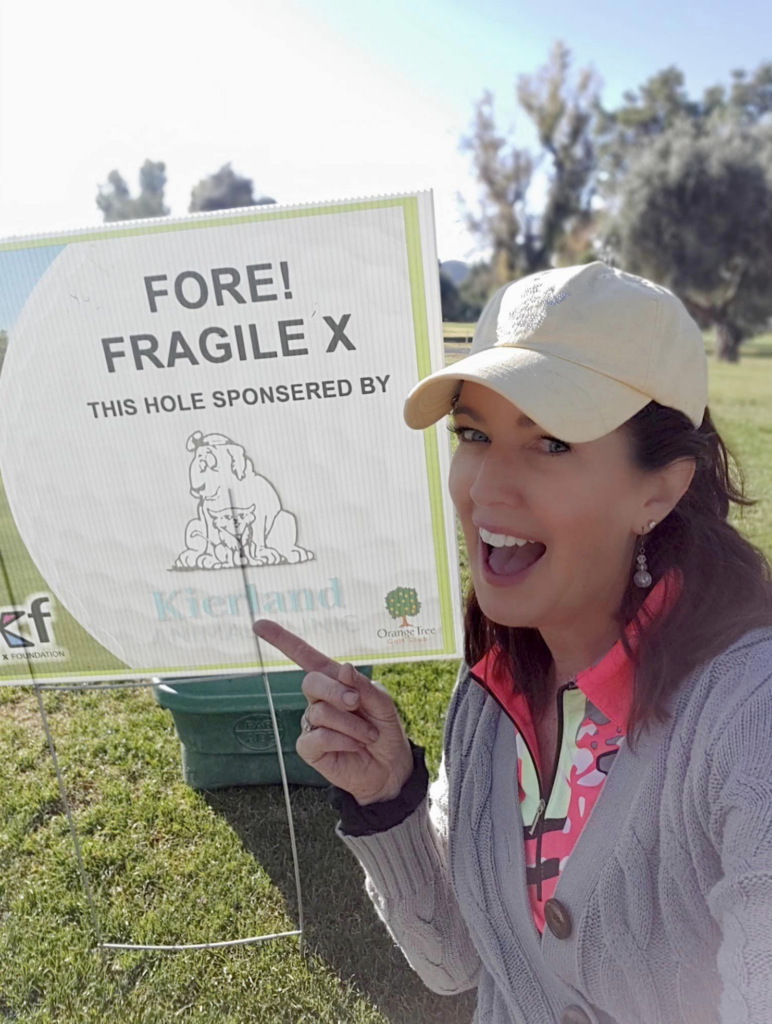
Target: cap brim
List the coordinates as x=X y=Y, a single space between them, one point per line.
x=566 y=399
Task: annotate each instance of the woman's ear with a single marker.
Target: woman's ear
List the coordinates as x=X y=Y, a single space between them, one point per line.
x=674 y=481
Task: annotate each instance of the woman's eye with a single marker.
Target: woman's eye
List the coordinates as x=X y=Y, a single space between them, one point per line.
x=554 y=440
x=461 y=431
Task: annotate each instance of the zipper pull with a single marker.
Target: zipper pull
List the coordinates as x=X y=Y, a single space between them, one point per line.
x=540 y=809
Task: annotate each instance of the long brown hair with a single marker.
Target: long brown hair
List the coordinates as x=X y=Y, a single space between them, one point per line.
x=726 y=586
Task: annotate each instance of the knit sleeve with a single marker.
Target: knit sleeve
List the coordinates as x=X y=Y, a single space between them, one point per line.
x=740 y=816
x=358 y=820
x=407 y=879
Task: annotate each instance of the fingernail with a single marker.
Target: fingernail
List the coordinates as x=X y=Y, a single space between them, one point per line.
x=351 y=698
x=372 y=734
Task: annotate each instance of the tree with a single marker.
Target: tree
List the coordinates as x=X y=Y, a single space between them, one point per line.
x=623 y=134
x=3 y=347
x=401 y=602
x=225 y=190
x=463 y=303
x=661 y=103
x=580 y=242
x=448 y=297
x=504 y=178
x=116 y=203
x=474 y=291
x=687 y=185
x=695 y=214
x=523 y=242
x=563 y=120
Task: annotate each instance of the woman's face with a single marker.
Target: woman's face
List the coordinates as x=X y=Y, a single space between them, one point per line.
x=585 y=502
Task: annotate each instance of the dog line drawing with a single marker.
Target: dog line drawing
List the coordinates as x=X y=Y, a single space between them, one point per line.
x=256 y=524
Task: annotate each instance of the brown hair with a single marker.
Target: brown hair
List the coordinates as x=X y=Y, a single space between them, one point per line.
x=727 y=580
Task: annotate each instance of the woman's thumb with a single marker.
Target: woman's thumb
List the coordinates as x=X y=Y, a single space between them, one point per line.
x=374 y=693
x=350 y=676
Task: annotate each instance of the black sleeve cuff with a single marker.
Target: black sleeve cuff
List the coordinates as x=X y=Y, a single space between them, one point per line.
x=356 y=820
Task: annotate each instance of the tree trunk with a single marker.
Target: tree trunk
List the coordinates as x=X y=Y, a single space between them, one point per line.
x=727 y=342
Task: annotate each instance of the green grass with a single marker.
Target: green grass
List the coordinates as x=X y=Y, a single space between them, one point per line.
x=169 y=865
x=740 y=401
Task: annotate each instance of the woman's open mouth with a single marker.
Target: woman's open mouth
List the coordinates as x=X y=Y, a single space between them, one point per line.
x=502 y=566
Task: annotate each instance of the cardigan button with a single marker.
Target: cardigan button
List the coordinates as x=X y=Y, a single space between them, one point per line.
x=558 y=920
x=574 y=1015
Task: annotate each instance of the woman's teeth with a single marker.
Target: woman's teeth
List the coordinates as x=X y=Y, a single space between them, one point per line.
x=500 y=540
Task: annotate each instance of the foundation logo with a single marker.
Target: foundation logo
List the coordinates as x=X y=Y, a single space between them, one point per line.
x=401 y=602
x=27 y=631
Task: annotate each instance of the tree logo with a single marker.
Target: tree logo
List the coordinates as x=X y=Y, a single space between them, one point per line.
x=402 y=601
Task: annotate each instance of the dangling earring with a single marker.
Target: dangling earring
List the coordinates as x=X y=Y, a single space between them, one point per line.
x=643 y=578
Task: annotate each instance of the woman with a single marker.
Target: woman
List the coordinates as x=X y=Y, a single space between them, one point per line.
x=597 y=847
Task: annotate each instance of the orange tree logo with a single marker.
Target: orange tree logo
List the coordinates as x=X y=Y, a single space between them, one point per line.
x=402 y=602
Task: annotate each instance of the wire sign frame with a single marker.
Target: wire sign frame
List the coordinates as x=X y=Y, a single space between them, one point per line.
x=39 y=687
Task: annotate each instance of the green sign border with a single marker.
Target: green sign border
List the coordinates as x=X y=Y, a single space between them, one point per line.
x=409 y=206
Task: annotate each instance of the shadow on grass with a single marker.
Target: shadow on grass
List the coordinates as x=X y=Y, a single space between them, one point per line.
x=341 y=925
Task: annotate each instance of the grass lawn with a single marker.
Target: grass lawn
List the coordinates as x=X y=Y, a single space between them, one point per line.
x=170 y=865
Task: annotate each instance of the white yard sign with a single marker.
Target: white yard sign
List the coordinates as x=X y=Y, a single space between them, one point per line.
x=179 y=397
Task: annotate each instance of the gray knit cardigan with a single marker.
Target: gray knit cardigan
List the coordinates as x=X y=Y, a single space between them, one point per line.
x=669 y=886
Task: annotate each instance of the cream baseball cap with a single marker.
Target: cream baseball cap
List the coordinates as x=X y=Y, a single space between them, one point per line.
x=580 y=350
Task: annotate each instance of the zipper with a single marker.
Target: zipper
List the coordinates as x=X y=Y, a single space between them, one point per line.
x=540 y=809
x=538 y=821
x=571 y=685
x=544 y=798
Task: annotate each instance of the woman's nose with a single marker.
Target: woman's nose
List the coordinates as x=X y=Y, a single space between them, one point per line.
x=498 y=478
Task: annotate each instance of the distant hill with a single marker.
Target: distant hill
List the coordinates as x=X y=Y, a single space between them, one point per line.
x=456 y=270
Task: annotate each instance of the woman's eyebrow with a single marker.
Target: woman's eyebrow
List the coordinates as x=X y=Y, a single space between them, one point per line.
x=464 y=410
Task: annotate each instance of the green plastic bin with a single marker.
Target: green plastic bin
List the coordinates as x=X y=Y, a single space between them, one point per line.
x=225 y=730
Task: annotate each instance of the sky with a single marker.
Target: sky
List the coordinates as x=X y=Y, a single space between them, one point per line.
x=312 y=99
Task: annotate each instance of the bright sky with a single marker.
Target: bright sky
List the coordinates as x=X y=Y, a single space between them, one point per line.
x=312 y=99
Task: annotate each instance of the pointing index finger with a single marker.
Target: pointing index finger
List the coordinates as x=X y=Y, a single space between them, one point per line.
x=302 y=653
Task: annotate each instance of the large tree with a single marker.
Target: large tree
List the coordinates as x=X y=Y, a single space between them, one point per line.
x=115 y=200
x=661 y=103
x=522 y=241
x=225 y=190
x=695 y=214
x=689 y=191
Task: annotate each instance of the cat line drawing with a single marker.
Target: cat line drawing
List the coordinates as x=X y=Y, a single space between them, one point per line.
x=236 y=545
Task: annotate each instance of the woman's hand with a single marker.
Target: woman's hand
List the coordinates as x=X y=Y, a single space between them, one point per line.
x=341 y=746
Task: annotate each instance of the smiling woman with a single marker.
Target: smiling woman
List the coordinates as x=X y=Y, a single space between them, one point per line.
x=656 y=460
x=611 y=689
